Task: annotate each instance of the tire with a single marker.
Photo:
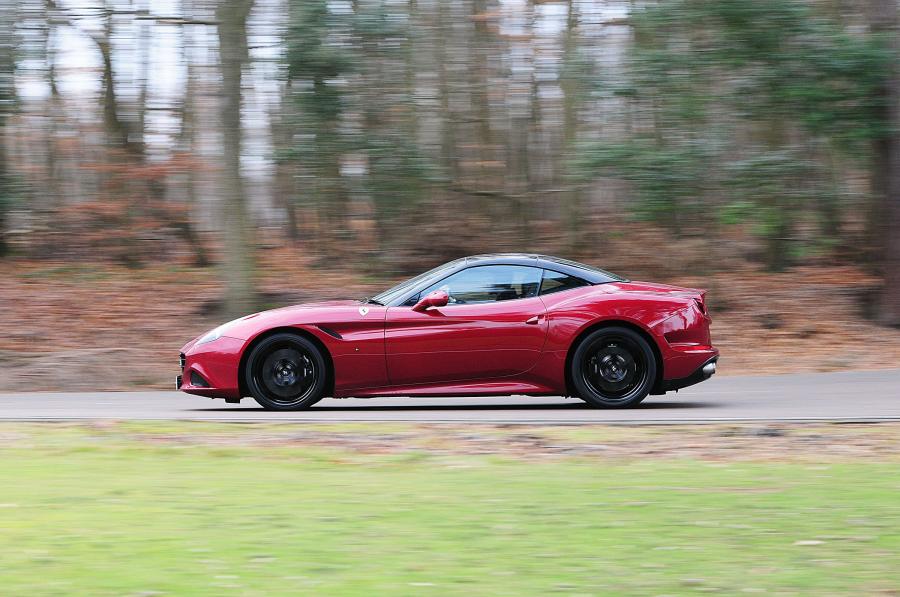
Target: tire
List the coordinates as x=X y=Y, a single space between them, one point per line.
x=286 y=372
x=613 y=367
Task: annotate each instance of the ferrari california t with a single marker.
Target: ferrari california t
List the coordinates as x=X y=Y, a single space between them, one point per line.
x=512 y=324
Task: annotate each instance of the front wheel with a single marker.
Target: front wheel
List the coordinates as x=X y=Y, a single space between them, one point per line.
x=613 y=367
x=286 y=372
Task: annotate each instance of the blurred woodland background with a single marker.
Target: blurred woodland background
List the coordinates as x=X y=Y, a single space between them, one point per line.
x=168 y=164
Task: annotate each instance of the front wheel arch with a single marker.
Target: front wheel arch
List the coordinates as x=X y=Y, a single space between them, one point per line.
x=329 y=362
x=608 y=323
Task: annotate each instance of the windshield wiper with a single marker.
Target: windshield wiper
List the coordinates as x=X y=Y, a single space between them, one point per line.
x=371 y=301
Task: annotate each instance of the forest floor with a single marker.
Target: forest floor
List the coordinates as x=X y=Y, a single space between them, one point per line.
x=72 y=326
x=354 y=509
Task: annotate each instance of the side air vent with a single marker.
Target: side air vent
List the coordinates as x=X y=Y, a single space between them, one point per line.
x=330 y=332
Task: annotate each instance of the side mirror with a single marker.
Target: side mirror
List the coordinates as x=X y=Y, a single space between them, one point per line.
x=438 y=298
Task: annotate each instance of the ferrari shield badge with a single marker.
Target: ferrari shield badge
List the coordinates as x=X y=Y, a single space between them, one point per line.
x=363 y=310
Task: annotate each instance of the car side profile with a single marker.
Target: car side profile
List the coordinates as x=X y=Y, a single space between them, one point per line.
x=509 y=324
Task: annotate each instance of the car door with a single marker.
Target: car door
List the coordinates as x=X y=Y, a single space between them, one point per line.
x=494 y=326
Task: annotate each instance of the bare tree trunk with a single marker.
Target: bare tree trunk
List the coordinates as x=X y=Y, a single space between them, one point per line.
x=115 y=127
x=285 y=188
x=285 y=170
x=52 y=189
x=479 y=83
x=410 y=70
x=240 y=295
x=7 y=94
x=188 y=143
x=776 y=252
x=889 y=313
x=520 y=129
x=570 y=87
x=890 y=299
x=887 y=172
x=117 y=130
x=449 y=155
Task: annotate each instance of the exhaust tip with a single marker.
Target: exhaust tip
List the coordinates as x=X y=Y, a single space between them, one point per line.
x=709 y=369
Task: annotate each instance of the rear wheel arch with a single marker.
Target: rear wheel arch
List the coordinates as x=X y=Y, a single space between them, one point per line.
x=607 y=323
x=326 y=354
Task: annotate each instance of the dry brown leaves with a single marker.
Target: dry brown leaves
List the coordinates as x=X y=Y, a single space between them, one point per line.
x=67 y=326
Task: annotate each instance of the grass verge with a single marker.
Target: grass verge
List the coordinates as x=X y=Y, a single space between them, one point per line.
x=360 y=510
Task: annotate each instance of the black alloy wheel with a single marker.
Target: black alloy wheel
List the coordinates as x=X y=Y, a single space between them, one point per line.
x=286 y=372
x=613 y=367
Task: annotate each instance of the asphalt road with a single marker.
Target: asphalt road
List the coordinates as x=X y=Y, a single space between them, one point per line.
x=846 y=396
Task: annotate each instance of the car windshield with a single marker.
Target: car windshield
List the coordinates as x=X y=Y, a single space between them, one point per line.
x=390 y=295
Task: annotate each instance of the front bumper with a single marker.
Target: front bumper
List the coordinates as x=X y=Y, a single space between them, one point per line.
x=211 y=369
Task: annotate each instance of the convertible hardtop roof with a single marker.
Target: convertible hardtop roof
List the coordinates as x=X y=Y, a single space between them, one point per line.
x=564 y=266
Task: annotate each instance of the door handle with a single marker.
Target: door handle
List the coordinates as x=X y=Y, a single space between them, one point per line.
x=533 y=320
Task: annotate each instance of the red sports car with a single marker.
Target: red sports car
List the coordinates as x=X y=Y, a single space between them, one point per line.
x=483 y=325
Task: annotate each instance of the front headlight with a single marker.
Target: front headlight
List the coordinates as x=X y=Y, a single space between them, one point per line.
x=211 y=335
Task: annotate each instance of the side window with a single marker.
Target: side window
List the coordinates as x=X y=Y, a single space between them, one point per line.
x=489 y=283
x=555 y=282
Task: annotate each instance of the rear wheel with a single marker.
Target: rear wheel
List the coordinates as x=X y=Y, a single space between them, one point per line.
x=613 y=367
x=286 y=372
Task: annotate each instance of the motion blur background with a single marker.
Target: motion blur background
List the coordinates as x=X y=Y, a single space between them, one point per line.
x=167 y=165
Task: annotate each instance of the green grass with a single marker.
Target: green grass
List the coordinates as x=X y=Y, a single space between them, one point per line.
x=129 y=511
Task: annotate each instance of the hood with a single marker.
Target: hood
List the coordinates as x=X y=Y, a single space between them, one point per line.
x=317 y=312
x=314 y=305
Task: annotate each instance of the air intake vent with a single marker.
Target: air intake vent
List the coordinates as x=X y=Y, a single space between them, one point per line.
x=198 y=381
